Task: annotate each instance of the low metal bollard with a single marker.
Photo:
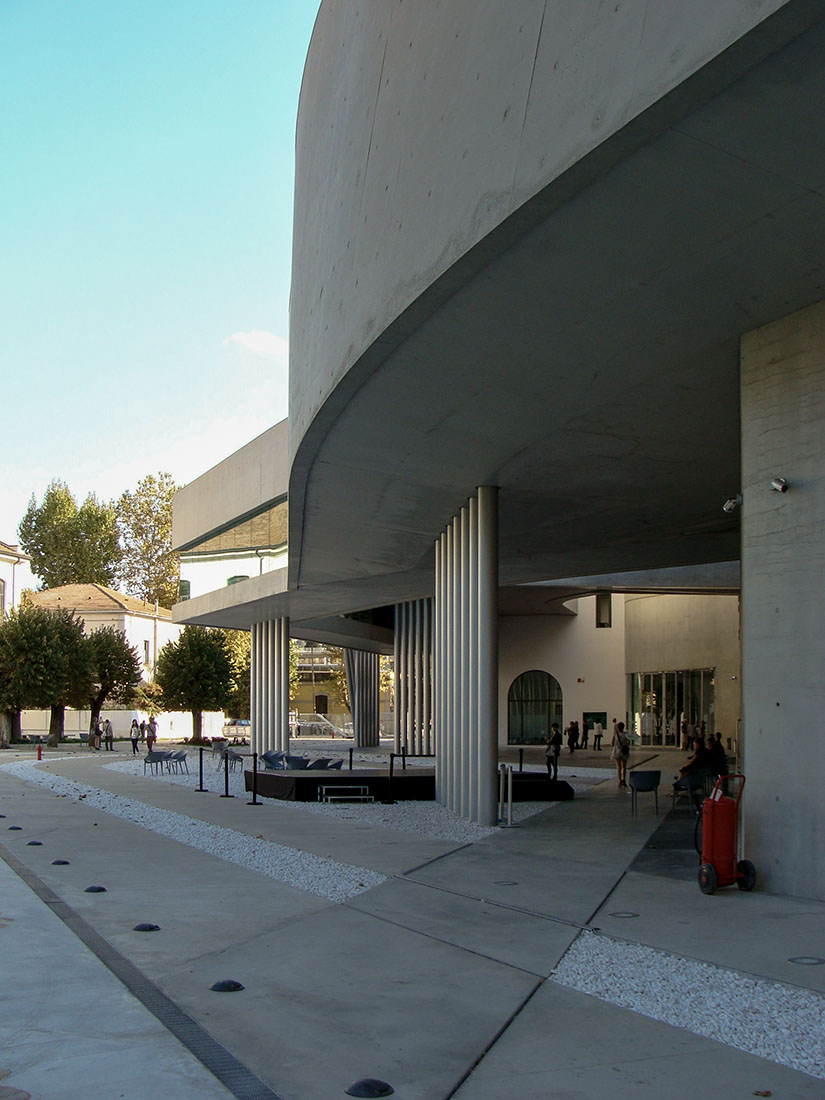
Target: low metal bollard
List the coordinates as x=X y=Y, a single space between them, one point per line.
x=350 y=759
x=226 y=793
x=254 y=801
x=521 y=760
x=403 y=758
x=200 y=787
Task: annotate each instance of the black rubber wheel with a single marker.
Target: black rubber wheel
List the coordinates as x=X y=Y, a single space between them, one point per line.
x=707 y=878
x=746 y=879
x=697 y=835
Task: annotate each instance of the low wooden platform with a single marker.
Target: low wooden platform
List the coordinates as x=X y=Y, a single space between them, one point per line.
x=414 y=784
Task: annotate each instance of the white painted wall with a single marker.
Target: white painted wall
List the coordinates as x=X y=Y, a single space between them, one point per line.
x=783 y=601
x=172 y=726
x=16 y=575
x=587 y=661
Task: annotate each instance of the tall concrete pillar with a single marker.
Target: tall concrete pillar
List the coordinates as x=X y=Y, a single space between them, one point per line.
x=413 y=676
x=362 y=679
x=269 y=686
x=783 y=601
x=465 y=681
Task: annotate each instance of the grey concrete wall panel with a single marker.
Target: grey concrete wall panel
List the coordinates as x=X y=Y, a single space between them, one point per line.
x=465 y=314
x=783 y=601
x=252 y=477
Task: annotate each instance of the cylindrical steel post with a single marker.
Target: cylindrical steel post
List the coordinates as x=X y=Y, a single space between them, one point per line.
x=488 y=649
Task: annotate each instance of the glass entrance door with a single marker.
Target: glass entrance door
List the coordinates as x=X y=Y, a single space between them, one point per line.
x=661 y=701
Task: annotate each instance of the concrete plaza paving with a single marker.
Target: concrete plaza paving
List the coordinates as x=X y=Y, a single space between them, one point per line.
x=437 y=981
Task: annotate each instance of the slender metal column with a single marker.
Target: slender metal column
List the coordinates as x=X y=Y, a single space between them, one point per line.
x=254 y=686
x=426 y=678
x=438 y=675
x=396 y=664
x=472 y=674
x=487 y=651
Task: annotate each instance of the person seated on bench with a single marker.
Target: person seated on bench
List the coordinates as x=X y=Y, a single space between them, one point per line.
x=699 y=764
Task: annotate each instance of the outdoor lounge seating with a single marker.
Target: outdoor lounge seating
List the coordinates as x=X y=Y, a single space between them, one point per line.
x=319 y=763
x=644 y=781
x=297 y=762
x=156 y=760
x=273 y=761
x=177 y=762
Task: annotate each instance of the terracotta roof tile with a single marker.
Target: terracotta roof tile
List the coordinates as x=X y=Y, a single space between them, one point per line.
x=94 y=597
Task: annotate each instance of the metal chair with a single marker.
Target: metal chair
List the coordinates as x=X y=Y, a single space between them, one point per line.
x=297 y=762
x=156 y=761
x=692 y=786
x=644 y=781
x=320 y=763
x=273 y=761
x=177 y=762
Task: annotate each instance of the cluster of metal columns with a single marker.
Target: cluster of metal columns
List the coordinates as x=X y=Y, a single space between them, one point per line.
x=465 y=671
x=413 y=676
x=362 y=681
x=269 y=686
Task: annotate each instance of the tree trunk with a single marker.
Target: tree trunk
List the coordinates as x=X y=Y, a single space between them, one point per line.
x=5 y=729
x=95 y=707
x=56 y=726
x=16 y=727
x=197 y=727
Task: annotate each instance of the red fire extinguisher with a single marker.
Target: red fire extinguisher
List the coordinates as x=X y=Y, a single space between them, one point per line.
x=720 y=840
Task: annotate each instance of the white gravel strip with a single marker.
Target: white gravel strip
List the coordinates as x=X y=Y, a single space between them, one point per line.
x=782 y=1023
x=428 y=819
x=313 y=874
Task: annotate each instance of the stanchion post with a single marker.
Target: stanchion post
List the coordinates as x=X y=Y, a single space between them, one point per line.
x=403 y=758
x=509 y=798
x=200 y=787
x=254 y=801
x=500 y=793
x=521 y=760
x=226 y=793
x=350 y=759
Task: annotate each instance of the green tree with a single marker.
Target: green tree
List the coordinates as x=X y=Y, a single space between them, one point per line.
x=149 y=697
x=44 y=663
x=25 y=663
x=294 y=674
x=71 y=682
x=71 y=545
x=149 y=568
x=239 y=646
x=115 y=669
x=195 y=674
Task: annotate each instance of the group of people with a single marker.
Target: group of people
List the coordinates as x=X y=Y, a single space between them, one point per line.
x=709 y=758
x=575 y=740
x=101 y=733
x=145 y=731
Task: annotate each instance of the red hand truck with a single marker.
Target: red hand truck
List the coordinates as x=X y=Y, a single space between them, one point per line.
x=720 y=840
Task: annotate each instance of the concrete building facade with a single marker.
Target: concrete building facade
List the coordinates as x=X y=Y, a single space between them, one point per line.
x=570 y=257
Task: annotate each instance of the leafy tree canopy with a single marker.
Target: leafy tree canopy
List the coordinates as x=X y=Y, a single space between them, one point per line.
x=150 y=570
x=195 y=673
x=71 y=545
x=239 y=647
x=115 y=668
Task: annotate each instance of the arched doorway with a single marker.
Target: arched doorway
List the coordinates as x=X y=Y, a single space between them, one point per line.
x=534 y=701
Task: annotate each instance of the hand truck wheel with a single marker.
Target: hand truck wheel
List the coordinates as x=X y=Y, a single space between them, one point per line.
x=707 y=878
x=746 y=877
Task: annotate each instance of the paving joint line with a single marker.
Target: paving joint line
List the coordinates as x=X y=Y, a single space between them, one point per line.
x=241 y=1082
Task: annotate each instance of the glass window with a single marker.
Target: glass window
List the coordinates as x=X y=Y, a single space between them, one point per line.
x=534 y=702
x=604 y=609
x=661 y=701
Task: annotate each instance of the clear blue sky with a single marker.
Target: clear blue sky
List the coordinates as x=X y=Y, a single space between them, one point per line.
x=145 y=220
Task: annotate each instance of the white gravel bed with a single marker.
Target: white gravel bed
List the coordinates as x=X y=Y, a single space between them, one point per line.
x=313 y=874
x=428 y=819
x=782 y=1023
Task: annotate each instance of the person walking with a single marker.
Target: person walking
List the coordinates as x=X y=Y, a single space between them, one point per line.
x=621 y=753
x=134 y=736
x=598 y=733
x=553 y=743
x=151 y=735
x=585 y=735
x=108 y=736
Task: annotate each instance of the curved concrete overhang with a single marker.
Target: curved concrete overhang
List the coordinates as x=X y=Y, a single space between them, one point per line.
x=562 y=318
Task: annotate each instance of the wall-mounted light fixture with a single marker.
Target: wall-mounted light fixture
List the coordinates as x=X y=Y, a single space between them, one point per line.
x=779 y=485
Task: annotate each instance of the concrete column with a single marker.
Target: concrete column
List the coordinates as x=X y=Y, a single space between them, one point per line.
x=362 y=680
x=269 y=685
x=466 y=659
x=783 y=601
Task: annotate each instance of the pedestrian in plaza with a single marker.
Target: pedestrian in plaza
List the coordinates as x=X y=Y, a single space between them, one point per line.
x=621 y=753
x=97 y=734
x=553 y=743
x=134 y=736
x=143 y=729
x=585 y=737
x=108 y=736
x=598 y=733
x=151 y=736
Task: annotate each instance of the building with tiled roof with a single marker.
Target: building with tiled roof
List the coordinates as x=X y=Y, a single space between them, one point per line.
x=15 y=575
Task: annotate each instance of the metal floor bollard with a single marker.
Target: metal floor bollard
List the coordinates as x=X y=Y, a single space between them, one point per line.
x=226 y=793
x=200 y=788
x=254 y=801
